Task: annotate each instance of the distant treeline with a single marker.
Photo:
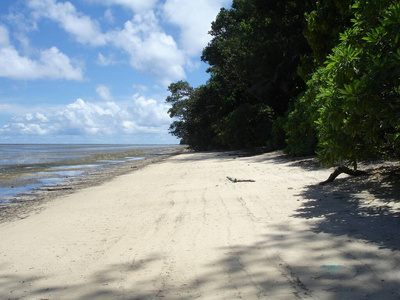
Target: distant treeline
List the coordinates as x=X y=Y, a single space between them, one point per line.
x=304 y=76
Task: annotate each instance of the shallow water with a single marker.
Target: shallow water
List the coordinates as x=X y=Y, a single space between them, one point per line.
x=24 y=168
x=75 y=167
x=38 y=154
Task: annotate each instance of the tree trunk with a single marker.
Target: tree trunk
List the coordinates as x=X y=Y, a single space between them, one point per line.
x=345 y=170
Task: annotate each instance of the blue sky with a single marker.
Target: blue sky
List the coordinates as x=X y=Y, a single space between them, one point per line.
x=97 y=71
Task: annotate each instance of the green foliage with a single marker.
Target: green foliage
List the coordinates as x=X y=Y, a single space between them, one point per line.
x=325 y=21
x=300 y=127
x=359 y=100
x=351 y=106
x=195 y=112
x=181 y=92
x=324 y=24
x=278 y=134
x=253 y=56
x=245 y=127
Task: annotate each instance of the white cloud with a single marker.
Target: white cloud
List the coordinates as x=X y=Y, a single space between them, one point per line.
x=151 y=50
x=90 y=119
x=83 y=117
x=29 y=124
x=194 y=20
x=52 y=64
x=104 y=92
x=81 y=26
x=148 y=112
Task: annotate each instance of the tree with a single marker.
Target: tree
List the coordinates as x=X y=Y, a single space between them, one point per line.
x=195 y=113
x=357 y=91
x=257 y=47
x=253 y=58
x=325 y=22
x=181 y=92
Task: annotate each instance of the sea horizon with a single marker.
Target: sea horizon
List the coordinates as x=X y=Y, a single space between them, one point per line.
x=44 y=143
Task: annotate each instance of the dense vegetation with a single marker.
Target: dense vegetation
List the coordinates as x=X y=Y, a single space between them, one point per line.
x=306 y=76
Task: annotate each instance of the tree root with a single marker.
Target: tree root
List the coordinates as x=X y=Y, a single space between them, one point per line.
x=345 y=170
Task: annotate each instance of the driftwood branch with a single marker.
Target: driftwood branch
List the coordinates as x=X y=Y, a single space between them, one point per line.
x=52 y=189
x=239 y=180
x=345 y=170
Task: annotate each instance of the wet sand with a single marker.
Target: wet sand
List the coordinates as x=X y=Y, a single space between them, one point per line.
x=34 y=192
x=180 y=229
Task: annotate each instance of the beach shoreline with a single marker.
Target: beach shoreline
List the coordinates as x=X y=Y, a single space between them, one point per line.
x=23 y=204
x=184 y=230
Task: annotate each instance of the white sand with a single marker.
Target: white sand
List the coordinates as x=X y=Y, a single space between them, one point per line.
x=180 y=229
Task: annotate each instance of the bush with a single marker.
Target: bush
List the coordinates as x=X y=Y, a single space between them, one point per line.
x=359 y=96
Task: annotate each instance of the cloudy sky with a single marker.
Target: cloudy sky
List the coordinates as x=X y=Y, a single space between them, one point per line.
x=97 y=71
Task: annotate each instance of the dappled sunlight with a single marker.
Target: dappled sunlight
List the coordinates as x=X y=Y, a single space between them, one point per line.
x=357 y=207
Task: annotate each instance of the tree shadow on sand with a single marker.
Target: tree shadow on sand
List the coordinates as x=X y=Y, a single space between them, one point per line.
x=365 y=207
x=100 y=285
x=241 y=271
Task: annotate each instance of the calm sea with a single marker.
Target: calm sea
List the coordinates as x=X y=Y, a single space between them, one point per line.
x=24 y=168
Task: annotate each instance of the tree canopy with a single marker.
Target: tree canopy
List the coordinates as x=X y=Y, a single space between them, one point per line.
x=307 y=76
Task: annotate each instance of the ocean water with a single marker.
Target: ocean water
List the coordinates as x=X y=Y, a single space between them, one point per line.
x=24 y=168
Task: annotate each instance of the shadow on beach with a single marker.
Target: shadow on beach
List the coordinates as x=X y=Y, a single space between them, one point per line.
x=242 y=272
x=207 y=155
x=359 y=207
x=365 y=207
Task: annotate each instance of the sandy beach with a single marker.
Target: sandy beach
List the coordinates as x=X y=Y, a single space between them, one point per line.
x=180 y=229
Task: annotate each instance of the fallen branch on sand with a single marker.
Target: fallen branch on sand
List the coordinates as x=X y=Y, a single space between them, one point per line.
x=345 y=170
x=52 y=189
x=239 y=180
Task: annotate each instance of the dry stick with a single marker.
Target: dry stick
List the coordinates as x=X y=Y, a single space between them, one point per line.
x=51 y=189
x=239 y=180
x=345 y=170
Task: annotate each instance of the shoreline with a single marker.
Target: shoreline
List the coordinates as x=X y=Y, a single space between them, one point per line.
x=23 y=204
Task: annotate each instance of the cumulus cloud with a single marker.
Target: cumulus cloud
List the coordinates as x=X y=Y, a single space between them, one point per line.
x=194 y=21
x=151 y=50
x=81 y=26
x=29 y=124
x=86 y=118
x=52 y=64
x=148 y=112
